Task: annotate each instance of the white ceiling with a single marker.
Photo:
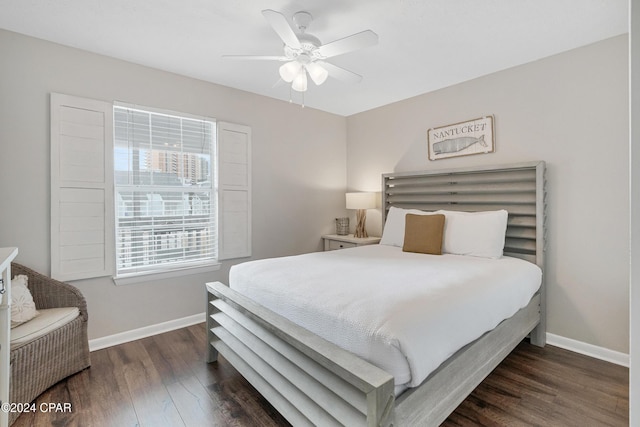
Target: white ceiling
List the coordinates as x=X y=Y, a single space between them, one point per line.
x=424 y=45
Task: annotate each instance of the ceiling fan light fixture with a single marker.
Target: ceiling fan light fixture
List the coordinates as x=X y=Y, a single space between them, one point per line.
x=290 y=70
x=299 y=83
x=317 y=72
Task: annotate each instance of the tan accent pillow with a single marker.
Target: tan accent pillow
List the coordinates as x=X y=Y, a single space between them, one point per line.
x=423 y=234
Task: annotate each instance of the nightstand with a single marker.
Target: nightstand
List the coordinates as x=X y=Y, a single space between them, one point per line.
x=334 y=241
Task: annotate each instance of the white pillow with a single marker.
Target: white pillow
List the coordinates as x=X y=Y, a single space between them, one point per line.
x=393 y=232
x=478 y=234
x=23 y=308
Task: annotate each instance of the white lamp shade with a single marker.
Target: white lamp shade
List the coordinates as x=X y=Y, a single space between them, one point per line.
x=290 y=70
x=361 y=200
x=317 y=72
x=300 y=82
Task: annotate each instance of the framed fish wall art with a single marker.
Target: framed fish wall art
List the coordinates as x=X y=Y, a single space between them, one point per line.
x=461 y=139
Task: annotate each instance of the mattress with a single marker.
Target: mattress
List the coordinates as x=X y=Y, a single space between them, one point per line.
x=403 y=312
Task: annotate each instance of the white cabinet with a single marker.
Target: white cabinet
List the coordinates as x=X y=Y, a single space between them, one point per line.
x=6 y=256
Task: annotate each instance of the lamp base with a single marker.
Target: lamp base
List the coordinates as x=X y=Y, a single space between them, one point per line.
x=361 y=232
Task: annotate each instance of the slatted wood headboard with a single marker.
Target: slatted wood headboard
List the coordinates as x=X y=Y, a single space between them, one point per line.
x=518 y=188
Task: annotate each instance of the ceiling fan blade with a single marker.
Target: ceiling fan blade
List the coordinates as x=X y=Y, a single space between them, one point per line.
x=349 y=44
x=340 y=73
x=280 y=25
x=256 y=57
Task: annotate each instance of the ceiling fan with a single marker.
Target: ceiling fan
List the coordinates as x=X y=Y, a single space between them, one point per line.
x=305 y=54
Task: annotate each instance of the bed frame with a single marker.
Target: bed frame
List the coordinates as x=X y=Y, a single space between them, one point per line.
x=313 y=382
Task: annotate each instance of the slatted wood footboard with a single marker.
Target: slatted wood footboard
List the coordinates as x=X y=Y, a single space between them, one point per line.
x=309 y=380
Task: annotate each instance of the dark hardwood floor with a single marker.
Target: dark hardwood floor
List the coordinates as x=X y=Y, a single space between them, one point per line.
x=164 y=381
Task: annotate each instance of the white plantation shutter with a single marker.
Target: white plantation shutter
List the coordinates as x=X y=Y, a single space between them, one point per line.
x=234 y=186
x=166 y=205
x=81 y=188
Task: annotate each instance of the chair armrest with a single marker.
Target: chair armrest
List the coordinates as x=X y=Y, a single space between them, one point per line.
x=51 y=293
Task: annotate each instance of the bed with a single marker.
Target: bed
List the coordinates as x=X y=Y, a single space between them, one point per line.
x=312 y=381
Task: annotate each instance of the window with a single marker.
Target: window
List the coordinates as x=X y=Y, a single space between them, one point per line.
x=136 y=191
x=165 y=192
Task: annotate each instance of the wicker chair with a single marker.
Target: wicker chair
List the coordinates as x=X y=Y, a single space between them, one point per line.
x=41 y=363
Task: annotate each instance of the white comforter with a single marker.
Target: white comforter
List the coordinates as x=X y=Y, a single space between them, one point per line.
x=403 y=312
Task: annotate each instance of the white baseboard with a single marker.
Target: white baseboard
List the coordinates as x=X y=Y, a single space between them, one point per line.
x=147 y=331
x=589 y=349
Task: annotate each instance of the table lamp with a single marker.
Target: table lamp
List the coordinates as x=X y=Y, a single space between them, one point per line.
x=361 y=202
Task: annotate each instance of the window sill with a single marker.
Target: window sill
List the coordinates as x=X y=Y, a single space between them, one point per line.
x=130 y=279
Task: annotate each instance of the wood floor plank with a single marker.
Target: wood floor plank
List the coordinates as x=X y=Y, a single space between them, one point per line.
x=164 y=381
x=151 y=400
x=553 y=393
x=172 y=356
x=108 y=389
x=193 y=403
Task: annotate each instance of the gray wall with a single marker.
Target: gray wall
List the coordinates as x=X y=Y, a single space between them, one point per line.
x=299 y=168
x=570 y=110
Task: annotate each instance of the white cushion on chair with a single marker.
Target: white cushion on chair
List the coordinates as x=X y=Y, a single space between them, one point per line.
x=48 y=320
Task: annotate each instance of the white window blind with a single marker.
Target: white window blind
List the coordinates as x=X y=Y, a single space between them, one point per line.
x=165 y=191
